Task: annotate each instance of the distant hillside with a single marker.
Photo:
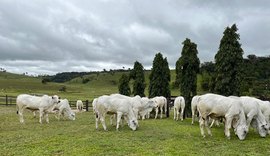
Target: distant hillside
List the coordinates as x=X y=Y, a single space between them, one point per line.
x=100 y=83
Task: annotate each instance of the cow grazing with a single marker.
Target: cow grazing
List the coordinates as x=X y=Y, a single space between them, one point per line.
x=43 y=104
x=64 y=110
x=179 y=105
x=79 y=105
x=265 y=109
x=149 y=105
x=217 y=106
x=140 y=105
x=113 y=105
x=161 y=102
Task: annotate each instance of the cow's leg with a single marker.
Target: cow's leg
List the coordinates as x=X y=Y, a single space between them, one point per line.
x=111 y=119
x=228 y=124
x=20 y=112
x=212 y=123
x=201 y=121
x=207 y=127
x=34 y=113
x=102 y=119
x=193 y=117
x=119 y=116
x=156 y=113
x=177 y=114
x=97 y=118
x=47 y=117
x=182 y=113
x=174 y=113
x=41 y=114
x=161 y=112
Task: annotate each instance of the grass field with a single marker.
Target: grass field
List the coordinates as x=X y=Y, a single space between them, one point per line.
x=154 y=137
x=79 y=137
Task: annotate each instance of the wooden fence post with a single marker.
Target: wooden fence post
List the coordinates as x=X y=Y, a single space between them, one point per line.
x=6 y=100
x=86 y=105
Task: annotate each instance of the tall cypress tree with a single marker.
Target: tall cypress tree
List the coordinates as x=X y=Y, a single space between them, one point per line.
x=229 y=59
x=159 y=77
x=187 y=67
x=123 y=86
x=139 y=81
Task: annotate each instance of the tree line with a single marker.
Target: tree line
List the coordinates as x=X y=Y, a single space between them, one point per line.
x=229 y=74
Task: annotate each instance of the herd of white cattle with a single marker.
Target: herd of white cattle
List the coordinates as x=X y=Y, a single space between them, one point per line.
x=238 y=113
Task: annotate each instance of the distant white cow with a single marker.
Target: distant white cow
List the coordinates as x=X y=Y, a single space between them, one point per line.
x=113 y=105
x=179 y=105
x=63 y=109
x=217 y=106
x=149 y=105
x=44 y=105
x=161 y=102
x=79 y=105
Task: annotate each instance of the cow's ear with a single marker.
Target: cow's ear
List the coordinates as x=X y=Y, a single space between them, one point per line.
x=59 y=97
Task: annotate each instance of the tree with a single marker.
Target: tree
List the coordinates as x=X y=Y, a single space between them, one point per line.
x=187 y=67
x=159 y=77
x=229 y=59
x=137 y=74
x=123 y=86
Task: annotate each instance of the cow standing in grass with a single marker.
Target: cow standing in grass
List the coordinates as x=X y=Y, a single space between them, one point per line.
x=161 y=102
x=218 y=106
x=63 y=110
x=179 y=107
x=113 y=105
x=43 y=104
x=79 y=105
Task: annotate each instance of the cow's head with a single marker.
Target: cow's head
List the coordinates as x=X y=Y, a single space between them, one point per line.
x=56 y=99
x=133 y=124
x=241 y=131
x=263 y=130
x=71 y=116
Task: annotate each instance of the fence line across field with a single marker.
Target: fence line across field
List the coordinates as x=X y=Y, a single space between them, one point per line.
x=11 y=101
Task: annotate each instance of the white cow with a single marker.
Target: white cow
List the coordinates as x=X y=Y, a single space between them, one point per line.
x=44 y=105
x=63 y=109
x=149 y=105
x=140 y=105
x=112 y=105
x=79 y=105
x=253 y=112
x=217 y=106
x=265 y=108
x=179 y=104
x=161 y=102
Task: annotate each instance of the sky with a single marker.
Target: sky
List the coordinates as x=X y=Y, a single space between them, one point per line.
x=52 y=36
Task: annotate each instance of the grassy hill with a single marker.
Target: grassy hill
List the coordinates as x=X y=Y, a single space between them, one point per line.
x=99 y=84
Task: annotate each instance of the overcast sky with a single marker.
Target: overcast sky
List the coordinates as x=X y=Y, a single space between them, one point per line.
x=51 y=36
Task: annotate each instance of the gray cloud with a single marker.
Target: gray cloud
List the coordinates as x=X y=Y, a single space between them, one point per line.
x=46 y=37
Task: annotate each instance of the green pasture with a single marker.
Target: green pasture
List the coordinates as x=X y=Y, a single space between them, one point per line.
x=153 y=137
x=101 y=84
